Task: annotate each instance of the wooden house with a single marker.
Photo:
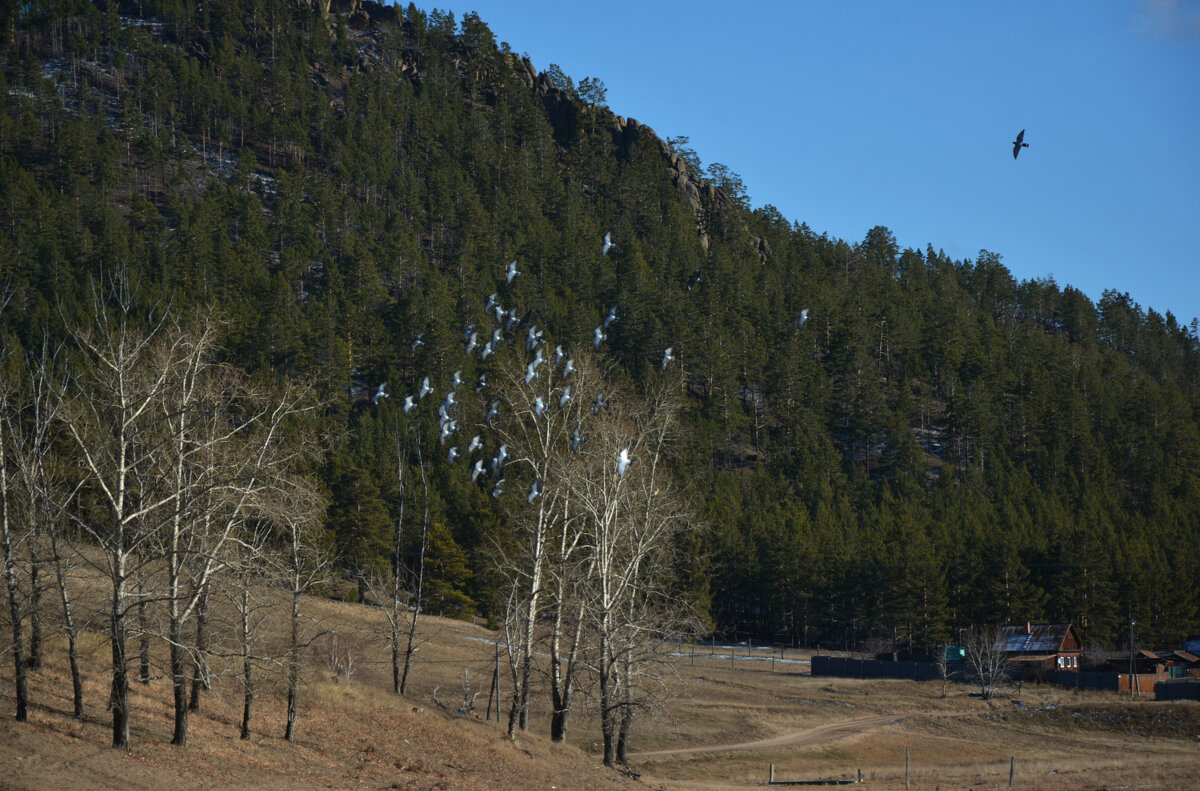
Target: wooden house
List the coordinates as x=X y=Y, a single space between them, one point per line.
x=1035 y=648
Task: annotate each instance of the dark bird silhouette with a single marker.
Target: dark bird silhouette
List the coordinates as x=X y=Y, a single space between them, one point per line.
x=1019 y=143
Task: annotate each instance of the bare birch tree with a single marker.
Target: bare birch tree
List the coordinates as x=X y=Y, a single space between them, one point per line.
x=115 y=432
x=539 y=413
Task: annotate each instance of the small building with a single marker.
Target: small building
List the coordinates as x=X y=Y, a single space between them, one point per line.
x=1037 y=648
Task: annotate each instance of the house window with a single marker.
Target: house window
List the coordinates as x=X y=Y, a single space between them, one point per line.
x=1060 y=661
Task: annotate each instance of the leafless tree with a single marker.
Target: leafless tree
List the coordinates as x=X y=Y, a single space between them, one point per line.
x=536 y=426
x=632 y=519
x=11 y=539
x=298 y=520
x=114 y=430
x=988 y=661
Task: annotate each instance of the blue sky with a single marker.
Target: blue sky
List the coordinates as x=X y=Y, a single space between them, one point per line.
x=848 y=115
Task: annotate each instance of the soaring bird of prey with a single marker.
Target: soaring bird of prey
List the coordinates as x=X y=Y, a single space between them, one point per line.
x=1019 y=143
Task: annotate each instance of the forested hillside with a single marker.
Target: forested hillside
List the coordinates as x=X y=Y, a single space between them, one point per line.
x=937 y=446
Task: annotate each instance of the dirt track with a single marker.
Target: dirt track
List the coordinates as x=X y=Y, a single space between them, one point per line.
x=817 y=735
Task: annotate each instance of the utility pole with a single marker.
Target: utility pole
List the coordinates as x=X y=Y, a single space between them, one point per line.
x=1131 y=623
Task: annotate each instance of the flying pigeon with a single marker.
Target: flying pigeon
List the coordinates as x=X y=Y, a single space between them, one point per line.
x=535 y=489
x=448 y=428
x=577 y=439
x=511 y=272
x=497 y=490
x=559 y=354
x=475 y=444
x=477 y=470
x=418 y=342
x=493 y=410
x=532 y=338
x=380 y=394
x=622 y=461
x=482 y=383
x=1019 y=143
x=608 y=244
x=569 y=368
x=426 y=389
x=455 y=381
x=498 y=459
x=597 y=336
x=449 y=400
x=539 y=407
x=800 y=322
x=694 y=280
x=565 y=398
x=409 y=404
x=489 y=349
x=472 y=342
x=491 y=302
x=511 y=320
x=599 y=404
x=452 y=455
x=531 y=372
x=668 y=357
x=611 y=317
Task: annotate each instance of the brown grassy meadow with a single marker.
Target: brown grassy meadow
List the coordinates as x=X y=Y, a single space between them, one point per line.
x=724 y=725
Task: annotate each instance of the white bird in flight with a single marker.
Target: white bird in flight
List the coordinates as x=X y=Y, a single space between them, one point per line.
x=426 y=389
x=622 y=461
x=611 y=317
x=380 y=394
x=608 y=243
x=800 y=322
x=511 y=272
x=597 y=336
x=668 y=357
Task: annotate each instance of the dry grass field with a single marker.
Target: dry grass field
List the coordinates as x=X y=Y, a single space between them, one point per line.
x=726 y=724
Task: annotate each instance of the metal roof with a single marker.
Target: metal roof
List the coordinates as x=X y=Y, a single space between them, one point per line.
x=1032 y=638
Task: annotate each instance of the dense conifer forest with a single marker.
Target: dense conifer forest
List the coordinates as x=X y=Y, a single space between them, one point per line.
x=936 y=446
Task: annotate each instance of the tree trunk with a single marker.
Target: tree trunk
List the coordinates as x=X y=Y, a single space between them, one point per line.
x=20 y=668
x=608 y=709
x=34 y=659
x=119 y=696
x=68 y=626
x=20 y=680
x=143 y=635
x=247 y=670
x=293 y=668
x=200 y=677
x=178 y=684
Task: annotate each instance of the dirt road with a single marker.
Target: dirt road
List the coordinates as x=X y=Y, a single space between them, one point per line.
x=816 y=735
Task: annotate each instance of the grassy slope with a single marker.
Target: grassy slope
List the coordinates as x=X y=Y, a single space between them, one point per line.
x=357 y=735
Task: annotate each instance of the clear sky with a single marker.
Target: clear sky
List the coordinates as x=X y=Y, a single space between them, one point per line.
x=847 y=115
